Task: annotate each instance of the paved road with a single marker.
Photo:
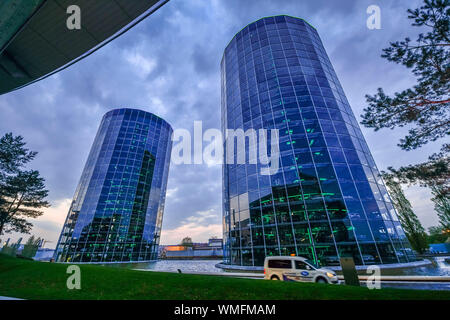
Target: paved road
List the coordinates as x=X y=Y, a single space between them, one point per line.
x=9 y=298
x=416 y=285
x=398 y=282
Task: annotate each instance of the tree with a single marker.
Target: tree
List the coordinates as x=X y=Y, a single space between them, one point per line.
x=187 y=242
x=13 y=154
x=426 y=106
x=11 y=249
x=31 y=246
x=441 y=205
x=22 y=192
x=411 y=225
x=434 y=172
x=438 y=235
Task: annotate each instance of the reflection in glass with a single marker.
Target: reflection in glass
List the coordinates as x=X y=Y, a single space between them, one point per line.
x=116 y=212
x=324 y=202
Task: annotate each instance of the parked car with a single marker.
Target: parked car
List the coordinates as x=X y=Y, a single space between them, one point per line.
x=298 y=269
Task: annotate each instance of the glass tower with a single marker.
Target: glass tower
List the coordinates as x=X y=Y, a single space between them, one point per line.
x=327 y=200
x=117 y=210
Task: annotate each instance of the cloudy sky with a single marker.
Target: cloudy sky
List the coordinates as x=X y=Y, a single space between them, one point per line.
x=169 y=65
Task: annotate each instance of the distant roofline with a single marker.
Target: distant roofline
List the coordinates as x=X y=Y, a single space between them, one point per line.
x=278 y=15
x=140 y=110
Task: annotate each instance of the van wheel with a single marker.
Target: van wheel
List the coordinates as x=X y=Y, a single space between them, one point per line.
x=274 y=278
x=321 y=280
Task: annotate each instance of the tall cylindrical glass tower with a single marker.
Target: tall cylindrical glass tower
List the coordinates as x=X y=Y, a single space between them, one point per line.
x=327 y=200
x=117 y=210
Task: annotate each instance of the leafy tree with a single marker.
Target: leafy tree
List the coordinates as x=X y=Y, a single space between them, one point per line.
x=31 y=246
x=13 y=154
x=434 y=172
x=411 y=225
x=22 y=192
x=425 y=107
x=441 y=205
x=11 y=249
x=438 y=235
x=187 y=242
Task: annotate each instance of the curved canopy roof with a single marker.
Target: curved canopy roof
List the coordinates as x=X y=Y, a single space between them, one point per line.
x=35 y=41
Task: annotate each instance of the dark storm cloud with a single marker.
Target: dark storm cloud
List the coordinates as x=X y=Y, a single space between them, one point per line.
x=169 y=65
x=202 y=60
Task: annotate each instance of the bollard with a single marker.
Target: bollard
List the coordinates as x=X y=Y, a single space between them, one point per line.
x=349 y=271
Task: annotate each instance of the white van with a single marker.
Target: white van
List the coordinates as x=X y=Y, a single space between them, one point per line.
x=299 y=269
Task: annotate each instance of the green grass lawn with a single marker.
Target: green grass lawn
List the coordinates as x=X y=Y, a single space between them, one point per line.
x=39 y=280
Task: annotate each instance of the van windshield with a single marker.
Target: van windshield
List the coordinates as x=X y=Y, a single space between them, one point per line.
x=312 y=264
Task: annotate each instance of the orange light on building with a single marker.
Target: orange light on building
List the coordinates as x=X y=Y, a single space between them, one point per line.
x=175 y=248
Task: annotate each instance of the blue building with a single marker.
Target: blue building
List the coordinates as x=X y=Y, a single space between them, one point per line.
x=440 y=248
x=117 y=210
x=327 y=200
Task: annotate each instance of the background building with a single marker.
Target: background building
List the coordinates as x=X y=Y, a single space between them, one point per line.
x=44 y=254
x=35 y=40
x=199 y=250
x=117 y=210
x=327 y=200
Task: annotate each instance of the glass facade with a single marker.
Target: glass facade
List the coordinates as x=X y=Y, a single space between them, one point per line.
x=327 y=200
x=117 y=210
